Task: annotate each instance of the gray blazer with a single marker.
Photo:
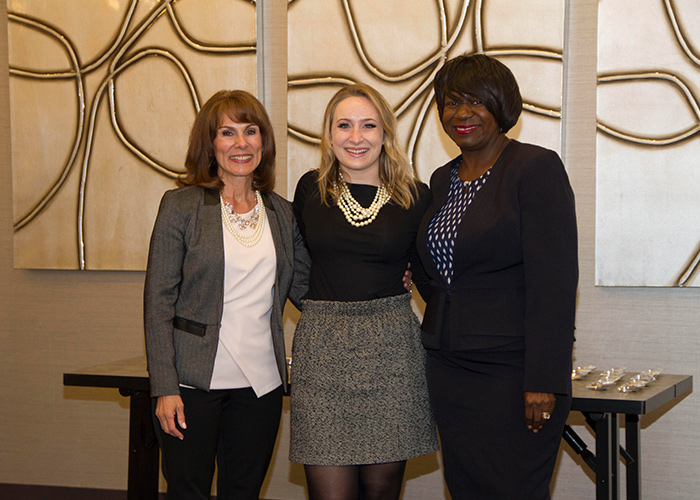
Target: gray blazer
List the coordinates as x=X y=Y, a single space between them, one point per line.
x=183 y=294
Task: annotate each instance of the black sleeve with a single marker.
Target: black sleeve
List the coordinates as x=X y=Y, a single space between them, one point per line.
x=420 y=277
x=304 y=188
x=549 y=241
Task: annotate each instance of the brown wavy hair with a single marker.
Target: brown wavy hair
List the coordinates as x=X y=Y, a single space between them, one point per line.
x=394 y=168
x=200 y=162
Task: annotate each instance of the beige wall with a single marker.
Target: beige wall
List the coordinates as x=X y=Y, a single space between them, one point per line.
x=51 y=322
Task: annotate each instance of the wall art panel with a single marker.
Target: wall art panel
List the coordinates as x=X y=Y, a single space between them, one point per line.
x=398 y=50
x=648 y=158
x=103 y=93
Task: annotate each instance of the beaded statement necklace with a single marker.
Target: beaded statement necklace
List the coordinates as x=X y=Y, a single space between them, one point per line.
x=354 y=213
x=256 y=221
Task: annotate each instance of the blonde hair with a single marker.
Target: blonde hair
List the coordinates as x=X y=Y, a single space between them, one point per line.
x=394 y=168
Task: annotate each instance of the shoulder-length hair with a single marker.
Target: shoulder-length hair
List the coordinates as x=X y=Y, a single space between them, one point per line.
x=395 y=171
x=484 y=78
x=200 y=162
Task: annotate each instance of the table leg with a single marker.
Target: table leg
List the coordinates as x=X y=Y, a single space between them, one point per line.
x=634 y=465
x=603 y=452
x=614 y=456
x=144 y=452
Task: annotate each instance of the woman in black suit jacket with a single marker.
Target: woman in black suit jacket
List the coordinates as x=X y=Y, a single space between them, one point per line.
x=224 y=256
x=499 y=247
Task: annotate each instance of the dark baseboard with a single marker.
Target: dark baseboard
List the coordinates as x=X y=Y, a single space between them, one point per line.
x=34 y=492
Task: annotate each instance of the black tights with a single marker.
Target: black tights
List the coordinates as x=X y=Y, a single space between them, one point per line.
x=355 y=482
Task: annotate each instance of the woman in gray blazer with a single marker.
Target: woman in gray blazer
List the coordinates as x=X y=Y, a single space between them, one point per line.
x=225 y=255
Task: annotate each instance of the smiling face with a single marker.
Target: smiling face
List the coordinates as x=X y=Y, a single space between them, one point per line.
x=468 y=123
x=357 y=137
x=238 y=150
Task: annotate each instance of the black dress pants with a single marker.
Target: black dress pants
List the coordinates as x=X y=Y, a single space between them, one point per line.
x=233 y=428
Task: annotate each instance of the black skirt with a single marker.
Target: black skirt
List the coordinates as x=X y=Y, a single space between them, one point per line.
x=488 y=452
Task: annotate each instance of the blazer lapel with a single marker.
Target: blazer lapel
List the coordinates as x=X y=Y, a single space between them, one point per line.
x=281 y=248
x=440 y=186
x=484 y=199
x=211 y=227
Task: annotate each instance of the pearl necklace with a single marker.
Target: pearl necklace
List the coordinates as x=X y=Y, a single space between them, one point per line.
x=354 y=213
x=242 y=222
x=256 y=221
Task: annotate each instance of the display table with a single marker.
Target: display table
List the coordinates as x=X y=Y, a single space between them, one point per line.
x=601 y=409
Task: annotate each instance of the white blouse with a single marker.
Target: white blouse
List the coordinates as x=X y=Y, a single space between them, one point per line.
x=245 y=355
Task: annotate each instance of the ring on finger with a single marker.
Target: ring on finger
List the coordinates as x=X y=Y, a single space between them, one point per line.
x=546 y=415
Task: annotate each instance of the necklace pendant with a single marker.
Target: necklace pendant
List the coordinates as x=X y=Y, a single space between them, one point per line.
x=256 y=221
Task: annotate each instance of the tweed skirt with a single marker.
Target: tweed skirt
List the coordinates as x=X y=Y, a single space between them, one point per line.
x=359 y=393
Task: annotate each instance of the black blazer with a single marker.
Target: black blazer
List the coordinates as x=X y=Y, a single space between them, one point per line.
x=515 y=265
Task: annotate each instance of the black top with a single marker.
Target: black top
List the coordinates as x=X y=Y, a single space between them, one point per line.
x=356 y=263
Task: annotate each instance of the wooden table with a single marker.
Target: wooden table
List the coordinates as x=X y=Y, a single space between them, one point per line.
x=600 y=408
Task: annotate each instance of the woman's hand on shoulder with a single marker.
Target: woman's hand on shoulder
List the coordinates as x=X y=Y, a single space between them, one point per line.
x=171 y=413
x=539 y=407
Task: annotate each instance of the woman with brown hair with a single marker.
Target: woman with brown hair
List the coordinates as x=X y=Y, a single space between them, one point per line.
x=224 y=256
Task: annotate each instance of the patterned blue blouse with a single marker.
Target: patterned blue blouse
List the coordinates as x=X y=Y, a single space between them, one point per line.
x=442 y=230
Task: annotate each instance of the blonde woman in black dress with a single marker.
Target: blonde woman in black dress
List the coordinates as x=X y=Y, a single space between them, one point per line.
x=359 y=402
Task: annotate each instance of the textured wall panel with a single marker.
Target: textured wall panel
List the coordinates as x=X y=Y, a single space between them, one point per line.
x=398 y=50
x=648 y=159
x=103 y=93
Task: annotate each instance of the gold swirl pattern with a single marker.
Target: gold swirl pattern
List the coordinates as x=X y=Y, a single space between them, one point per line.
x=658 y=91
x=472 y=27
x=523 y=34
x=123 y=51
x=420 y=74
